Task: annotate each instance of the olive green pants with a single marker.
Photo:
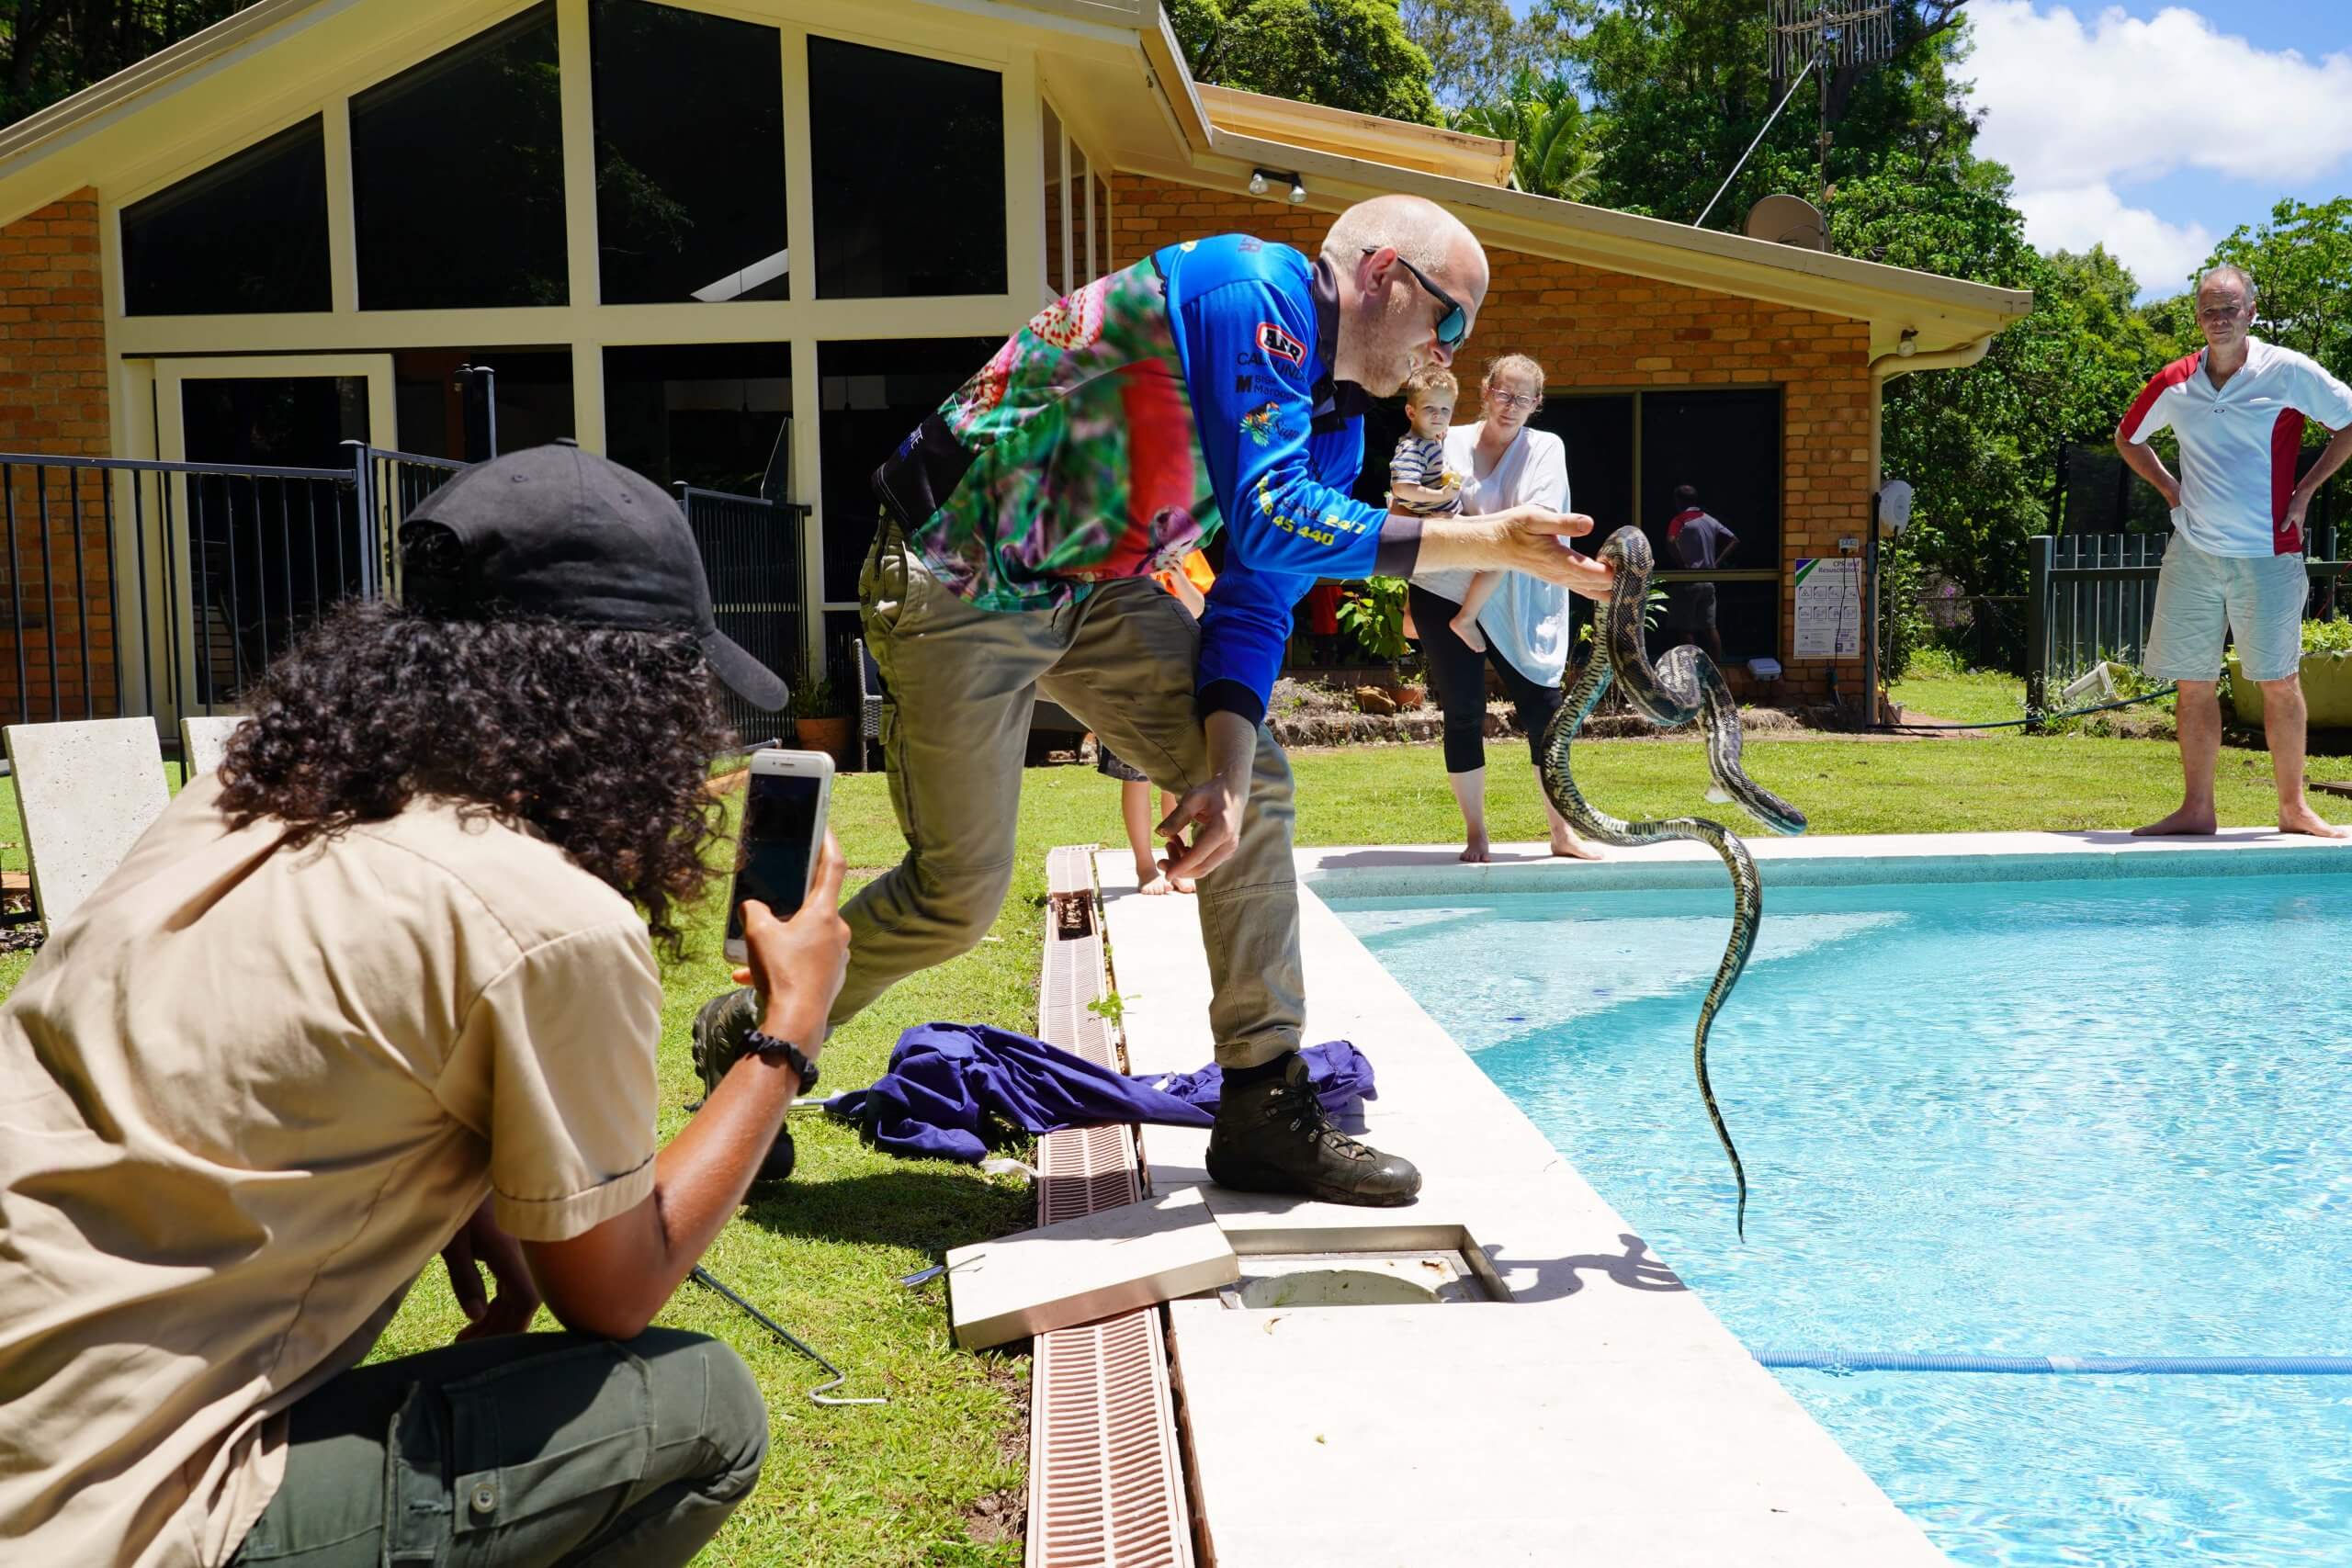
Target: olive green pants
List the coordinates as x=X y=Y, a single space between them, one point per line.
x=530 y=1449
x=960 y=684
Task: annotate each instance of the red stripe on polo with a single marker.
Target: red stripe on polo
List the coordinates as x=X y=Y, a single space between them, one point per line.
x=2286 y=446
x=2171 y=376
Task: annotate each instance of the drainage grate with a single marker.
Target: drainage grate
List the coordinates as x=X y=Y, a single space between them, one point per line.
x=1106 y=1487
x=1104 y=1491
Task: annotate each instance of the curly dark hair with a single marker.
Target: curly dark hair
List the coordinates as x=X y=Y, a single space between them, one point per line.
x=599 y=738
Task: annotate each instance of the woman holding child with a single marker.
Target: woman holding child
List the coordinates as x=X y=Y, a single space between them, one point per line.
x=1518 y=623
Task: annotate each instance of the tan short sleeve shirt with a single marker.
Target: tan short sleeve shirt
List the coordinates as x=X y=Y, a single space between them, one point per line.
x=246 y=1094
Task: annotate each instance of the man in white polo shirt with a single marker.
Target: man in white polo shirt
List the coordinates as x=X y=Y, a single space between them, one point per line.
x=2236 y=557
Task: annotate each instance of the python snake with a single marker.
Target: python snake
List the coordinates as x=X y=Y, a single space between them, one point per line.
x=1683 y=685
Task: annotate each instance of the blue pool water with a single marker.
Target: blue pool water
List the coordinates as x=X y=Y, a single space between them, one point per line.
x=2071 y=1118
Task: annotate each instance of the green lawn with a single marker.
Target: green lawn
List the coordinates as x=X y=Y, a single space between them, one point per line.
x=928 y=1478
x=1941 y=690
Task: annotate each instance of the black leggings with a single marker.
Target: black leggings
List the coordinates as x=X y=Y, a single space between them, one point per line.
x=1458 y=672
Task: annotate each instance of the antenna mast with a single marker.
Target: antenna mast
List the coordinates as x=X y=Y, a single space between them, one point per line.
x=1827 y=35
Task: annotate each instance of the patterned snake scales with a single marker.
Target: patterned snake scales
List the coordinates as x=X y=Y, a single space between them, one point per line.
x=1683 y=685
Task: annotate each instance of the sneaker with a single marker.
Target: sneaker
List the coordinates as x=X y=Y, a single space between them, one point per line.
x=1272 y=1136
x=719 y=1033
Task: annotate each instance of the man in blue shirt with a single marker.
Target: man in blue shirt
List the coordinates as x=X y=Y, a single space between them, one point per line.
x=1217 y=384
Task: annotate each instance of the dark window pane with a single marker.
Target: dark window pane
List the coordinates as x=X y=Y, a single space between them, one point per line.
x=283 y=422
x=264 y=558
x=1599 y=434
x=1057 y=275
x=689 y=155
x=1081 y=261
x=718 y=416
x=1383 y=422
x=1747 y=616
x=871 y=395
x=535 y=402
x=1104 y=261
x=247 y=235
x=459 y=169
x=1727 y=447
x=908 y=156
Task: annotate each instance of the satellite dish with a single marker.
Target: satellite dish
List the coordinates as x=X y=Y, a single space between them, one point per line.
x=1788 y=220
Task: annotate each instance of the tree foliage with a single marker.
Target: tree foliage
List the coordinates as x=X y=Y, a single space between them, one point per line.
x=1477 y=47
x=55 y=48
x=2301 y=266
x=1345 y=54
x=1554 y=153
x=1682 y=87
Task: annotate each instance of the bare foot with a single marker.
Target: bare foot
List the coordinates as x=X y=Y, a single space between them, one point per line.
x=2303 y=819
x=1151 y=879
x=2184 y=823
x=1184 y=884
x=1475 y=851
x=1576 y=848
x=1467 y=630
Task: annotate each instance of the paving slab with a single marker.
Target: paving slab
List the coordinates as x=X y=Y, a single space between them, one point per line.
x=204 y=740
x=1078 y=1270
x=85 y=791
x=1600 y=1414
x=1490 y=1429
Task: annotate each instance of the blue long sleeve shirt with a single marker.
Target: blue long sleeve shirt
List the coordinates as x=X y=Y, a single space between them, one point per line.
x=1128 y=423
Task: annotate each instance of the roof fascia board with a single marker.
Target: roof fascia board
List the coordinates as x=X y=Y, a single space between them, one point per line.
x=67 y=121
x=1651 y=247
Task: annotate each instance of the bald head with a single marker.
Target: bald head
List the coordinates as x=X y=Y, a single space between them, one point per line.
x=1415 y=228
x=1389 y=317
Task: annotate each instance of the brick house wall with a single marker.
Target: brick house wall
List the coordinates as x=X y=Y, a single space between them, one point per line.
x=54 y=401
x=1620 y=331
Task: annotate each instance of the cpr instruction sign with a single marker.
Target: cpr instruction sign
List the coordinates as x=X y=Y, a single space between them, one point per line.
x=1829 y=607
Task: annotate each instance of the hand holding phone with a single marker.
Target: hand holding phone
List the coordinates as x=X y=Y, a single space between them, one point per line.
x=784 y=823
x=798 y=966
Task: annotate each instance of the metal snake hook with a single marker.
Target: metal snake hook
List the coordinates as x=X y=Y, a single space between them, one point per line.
x=704 y=1276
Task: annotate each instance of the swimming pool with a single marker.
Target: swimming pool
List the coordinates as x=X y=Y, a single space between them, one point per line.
x=2035 y=1117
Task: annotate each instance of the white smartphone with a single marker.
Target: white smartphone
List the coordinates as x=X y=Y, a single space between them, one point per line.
x=783 y=825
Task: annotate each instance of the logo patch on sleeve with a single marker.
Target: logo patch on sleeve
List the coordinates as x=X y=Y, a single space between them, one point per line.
x=1280 y=343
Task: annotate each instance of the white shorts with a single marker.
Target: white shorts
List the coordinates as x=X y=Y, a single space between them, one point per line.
x=2257 y=599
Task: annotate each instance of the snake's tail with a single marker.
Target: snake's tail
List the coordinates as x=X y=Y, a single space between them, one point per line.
x=1722 y=1133
x=1747 y=899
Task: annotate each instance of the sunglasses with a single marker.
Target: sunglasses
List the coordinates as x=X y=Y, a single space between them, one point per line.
x=1452 y=327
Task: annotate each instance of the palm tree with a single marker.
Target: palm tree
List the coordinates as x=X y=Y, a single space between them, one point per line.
x=1542 y=115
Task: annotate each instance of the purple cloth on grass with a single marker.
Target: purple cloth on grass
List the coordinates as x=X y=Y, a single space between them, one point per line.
x=949 y=1083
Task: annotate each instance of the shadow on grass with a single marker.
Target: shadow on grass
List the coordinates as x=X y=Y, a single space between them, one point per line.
x=927 y=1206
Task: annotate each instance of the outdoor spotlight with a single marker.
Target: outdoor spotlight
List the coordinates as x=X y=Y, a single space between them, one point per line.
x=1908 y=345
x=1297 y=191
x=1257 y=182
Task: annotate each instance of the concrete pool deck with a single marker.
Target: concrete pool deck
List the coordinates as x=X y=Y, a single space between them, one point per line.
x=1602 y=1412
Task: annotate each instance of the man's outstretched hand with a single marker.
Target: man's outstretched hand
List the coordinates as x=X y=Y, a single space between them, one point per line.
x=1533 y=539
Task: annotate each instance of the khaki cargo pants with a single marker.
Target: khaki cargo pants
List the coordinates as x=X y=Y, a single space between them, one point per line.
x=961 y=682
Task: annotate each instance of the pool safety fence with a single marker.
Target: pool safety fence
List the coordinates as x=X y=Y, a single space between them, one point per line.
x=2093 y=596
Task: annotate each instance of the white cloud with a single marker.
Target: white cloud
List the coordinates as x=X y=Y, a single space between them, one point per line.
x=2160 y=255
x=2068 y=104
x=2079 y=107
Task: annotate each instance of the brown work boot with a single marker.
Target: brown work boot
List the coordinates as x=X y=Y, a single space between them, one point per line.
x=1272 y=1136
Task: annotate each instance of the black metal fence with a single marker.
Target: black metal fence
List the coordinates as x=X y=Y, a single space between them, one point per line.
x=751 y=557
x=2092 y=596
x=137 y=588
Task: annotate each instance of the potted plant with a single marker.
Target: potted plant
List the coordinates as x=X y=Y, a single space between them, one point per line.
x=1373 y=613
x=2327 y=678
x=820 y=717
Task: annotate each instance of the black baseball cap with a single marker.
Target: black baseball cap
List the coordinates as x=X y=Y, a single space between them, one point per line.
x=558 y=532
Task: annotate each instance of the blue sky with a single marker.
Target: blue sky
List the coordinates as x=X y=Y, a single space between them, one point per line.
x=2155 y=126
